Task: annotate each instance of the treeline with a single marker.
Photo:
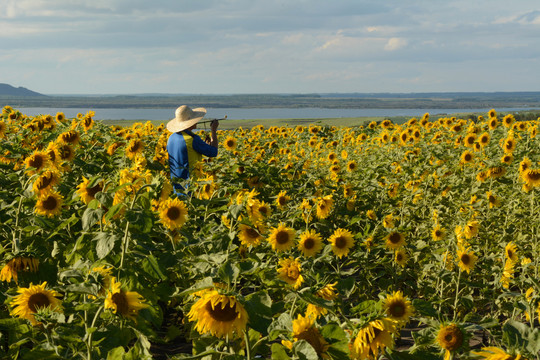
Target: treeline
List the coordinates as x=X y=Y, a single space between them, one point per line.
x=341 y=101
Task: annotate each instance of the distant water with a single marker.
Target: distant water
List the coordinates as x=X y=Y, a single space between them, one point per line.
x=255 y=113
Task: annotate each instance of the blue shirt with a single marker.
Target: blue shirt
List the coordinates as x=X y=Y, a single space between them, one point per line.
x=185 y=150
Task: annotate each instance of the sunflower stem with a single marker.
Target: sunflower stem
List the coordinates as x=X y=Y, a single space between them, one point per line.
x=248 y=350
x=89 y=341
x=457 y=294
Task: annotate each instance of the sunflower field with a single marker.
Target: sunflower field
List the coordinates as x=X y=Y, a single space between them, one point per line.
x=400 y=241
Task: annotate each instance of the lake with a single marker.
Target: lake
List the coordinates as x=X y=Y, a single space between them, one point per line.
x=256 y=113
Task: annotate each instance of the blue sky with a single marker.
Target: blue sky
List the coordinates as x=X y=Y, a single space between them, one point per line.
x=254 y=46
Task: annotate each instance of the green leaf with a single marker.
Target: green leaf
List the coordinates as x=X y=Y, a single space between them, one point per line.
x=205 y=283
x=278 y=352
x=283 y=324
x=90 y=217
x=105 y=244
x=424 y=308
x=116 y=354
x=304 y=350
x=259 y=308
x=228 y=272
x=152 y=268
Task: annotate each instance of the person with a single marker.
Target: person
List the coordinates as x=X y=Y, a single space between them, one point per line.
x=185 y=148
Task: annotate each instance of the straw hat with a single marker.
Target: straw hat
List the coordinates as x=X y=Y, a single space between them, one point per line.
x=184 y=118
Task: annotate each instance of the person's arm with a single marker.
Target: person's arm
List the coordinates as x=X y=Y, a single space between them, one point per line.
x=213 y=128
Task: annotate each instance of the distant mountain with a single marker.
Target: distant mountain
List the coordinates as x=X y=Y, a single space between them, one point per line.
x=6 y=89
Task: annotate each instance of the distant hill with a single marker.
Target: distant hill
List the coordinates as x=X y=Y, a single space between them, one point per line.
x=6 y=89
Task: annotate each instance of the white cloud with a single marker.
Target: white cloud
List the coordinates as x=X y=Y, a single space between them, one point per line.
x=395 y=44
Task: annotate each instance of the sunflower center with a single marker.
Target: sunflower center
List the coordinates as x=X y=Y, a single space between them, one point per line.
x=399 y=257
x=230 y=143
x=534 y=175
x=309 y=243
x=251 y=233
x=510 y=254
x=341 y=242
x=465 y=259
x=293 y=273
x=37 y=301
x=65 y=152
x=492 y=199
x=36 y=162
x=94 y=190
x=282 y=200
x=121 y=302
x=282 y=237
x=438 y=233
x=394 y=238
x=468 y=157
x=312 y=336
x=50 y=203
x=221 y=313
x=173 y=213
x=397 y=310
x=263 y=210
x=45 y=181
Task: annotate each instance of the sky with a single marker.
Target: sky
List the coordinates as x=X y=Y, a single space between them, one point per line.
x=269 y=46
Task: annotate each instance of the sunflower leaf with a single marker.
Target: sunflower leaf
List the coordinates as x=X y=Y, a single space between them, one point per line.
x=304 y=350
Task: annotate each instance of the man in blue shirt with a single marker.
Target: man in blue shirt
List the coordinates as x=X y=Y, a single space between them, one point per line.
x=185 y=148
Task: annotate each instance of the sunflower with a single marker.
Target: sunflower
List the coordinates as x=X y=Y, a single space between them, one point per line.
x=492 y=200
x=508 y=273
x=398 y=307
x=230 y=143
x=248 y=235
x=509 y=145
x=49 y=204
x=304 y=329
x=450 y=338
x=60 y=117
x=469 y=140
x=219 y=315
x=87 y=121
x=388 y=221
x=342 y=241
x=371 y=215
x=290 y=272
x=466 y=259
x=46 y=181
x=531 y=177
x=493 y=123
x=324 y=206
x=17 y=264
x=492 y=113
x=373 y=338
x=483 y=139
x=310 y=243
x=122 y=302
x=33 y=298
x=507 y=158
x=351 y=166
x=495 y=353
x=65 y=152
x=282 y=199
x=395 y=240
x=401 y=257
x=3 y=128
x=36 y=162
x=281 y=238
x=173 y=213
x=496 y=172
x=466 y=157
x=86 y=193
x=134 y=148
x=525 y=164
x=510 y=252
x=438 y=233
x=69 y=137
x=508 y=120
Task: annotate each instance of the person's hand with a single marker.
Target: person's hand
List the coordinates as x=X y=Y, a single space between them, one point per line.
x=214 y=125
